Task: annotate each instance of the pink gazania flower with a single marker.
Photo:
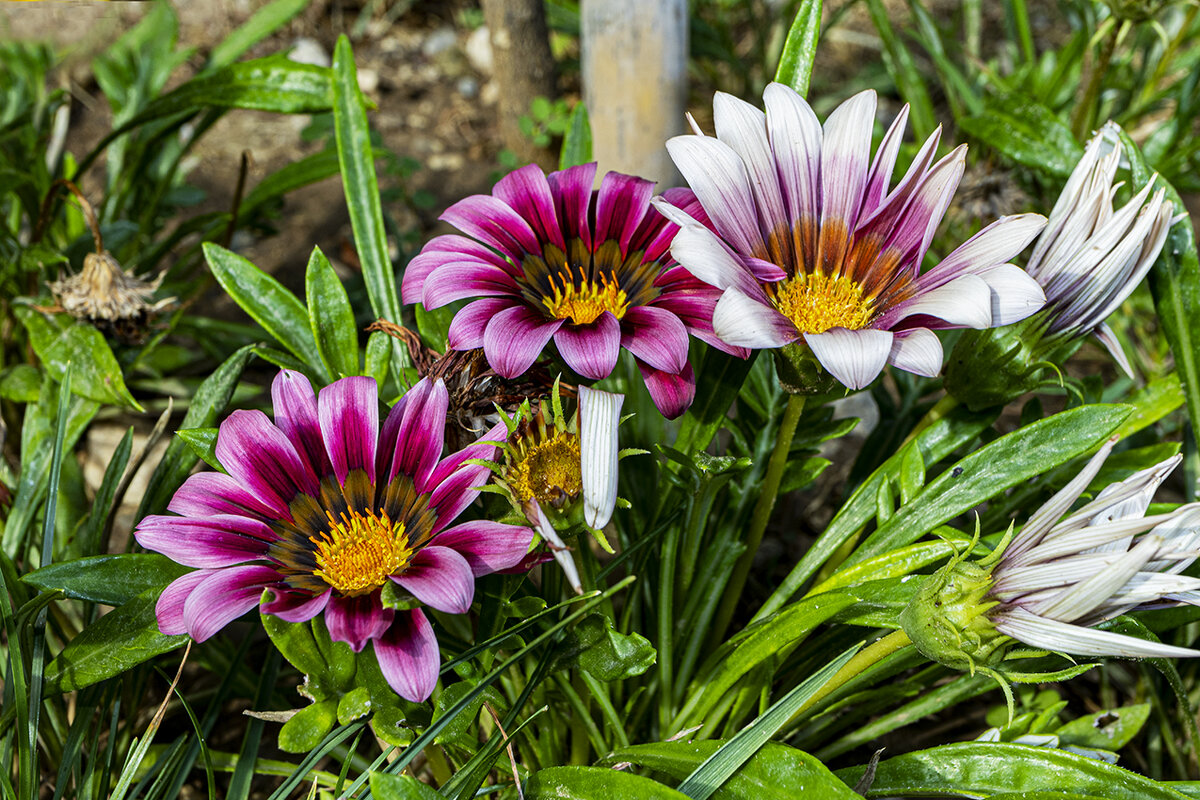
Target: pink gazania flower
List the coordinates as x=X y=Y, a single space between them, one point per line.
x=808 y=245
x=551 y=259
x=329 y=511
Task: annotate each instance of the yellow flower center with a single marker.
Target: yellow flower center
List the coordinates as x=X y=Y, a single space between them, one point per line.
x=583 y=304
x=816 y=302
x=360 y=551
x=549 y=471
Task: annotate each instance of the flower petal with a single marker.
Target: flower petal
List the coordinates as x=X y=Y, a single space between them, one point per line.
x=440 y=578
x=1015 y=294
x=719 y=179
x=917 y=350
x=349 y=414
x=295 y=408
x=217 y=493
x=420 y=430
x=708 y=258
x=459 y=281
x=572 y=190
x=672 y=394
x=515 y=338
x=260 y=457
x=408 y=656
x=295 y=606
x=169 y=608
x=621 y=203
x=487 y=546
x=745 y=322
x=220 y=540
x=558 y=548
x=599 y=415
x=1106 y=337
x=452 y=496
x=853 y=357
x=1064 y=637
x=744 y=128
x=224 y=596
x=527 y=191
x=357 y=620
x=468 y=325
x=493 y=222
x=591 y=350
x=655 y=336
x=964 y=302
x=845 y=162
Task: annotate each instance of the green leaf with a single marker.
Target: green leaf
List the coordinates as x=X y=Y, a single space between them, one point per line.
x=577 y=144
x=605 y=654
x=331 y=318
x=796 y=61
x=1026 y=132
x=362 y=191
x=458 y=728
x=1175 y=283
x=981 y=769
x=776 y=772
x=209 y=400
x=59 y=339
x=401 y=787
x=1105 y=730
x=119 y=640
x=266 y=301
x=595 y=783
x=379 y=348
x=20 y=383
x=719 y=380
x=1012 y=459
x=306 y=171
x=758 y=644
x=355 y=704
x=113 y=579
x=893 y=564
x=717 y=768
x=903 y=69
x=203 y=442
x=304 y=731
x=265 y=21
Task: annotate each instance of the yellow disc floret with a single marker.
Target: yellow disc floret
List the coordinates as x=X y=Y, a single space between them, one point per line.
x=548 y=471
x=360 y=551
x=816 y=302
x=585 y=303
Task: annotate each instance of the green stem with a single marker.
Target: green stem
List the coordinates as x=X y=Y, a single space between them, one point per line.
x=761 y=515
x=866 y=658
x=939 y=410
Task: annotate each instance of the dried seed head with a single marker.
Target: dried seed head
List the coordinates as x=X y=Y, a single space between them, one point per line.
x=110 y=298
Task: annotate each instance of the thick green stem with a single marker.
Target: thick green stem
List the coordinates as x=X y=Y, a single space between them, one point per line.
x=866 y=658
x=761 y=515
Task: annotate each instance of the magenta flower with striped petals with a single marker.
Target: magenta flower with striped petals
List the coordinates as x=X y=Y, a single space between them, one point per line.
x=552 y=259
x=809 y=246
x=326 y=509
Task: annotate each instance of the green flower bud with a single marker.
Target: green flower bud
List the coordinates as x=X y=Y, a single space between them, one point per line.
x=801 y=373
x=993 y=367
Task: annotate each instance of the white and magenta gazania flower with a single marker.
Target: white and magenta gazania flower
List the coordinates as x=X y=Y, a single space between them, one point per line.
x=808 y=245
x=328 y=511
x=551 y=259
x=1090 y=257
x=1058 y=577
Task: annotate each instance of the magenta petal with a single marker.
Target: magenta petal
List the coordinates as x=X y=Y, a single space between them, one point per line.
x=572 y=190
x=672 y=394
x=295 y=606
x=408 y=656
x=466 y=329
x=220 y=540
x=655 y=336
x=260 y=457
x=459 y=281
x=484 y=447
x=515 y=338
x=349 y=414
x=440 y=578
x=591 y=350
x=621 y=203
x=357 y=620
x=224 y=596
x=528 y=192
x=169 y=609
x=216 y=493
x=296 y=415
x=451 y=496
x=487 y=546
x=419 y=425
x=493 y=222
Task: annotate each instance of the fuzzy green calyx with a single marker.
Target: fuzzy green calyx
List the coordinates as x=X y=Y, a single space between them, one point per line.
x=947 y=617
x=801 y=373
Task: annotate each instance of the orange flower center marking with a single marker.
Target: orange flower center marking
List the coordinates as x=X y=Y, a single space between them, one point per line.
x=584 y=304
x=360 y=551
x=815 y=302
x=549 y=471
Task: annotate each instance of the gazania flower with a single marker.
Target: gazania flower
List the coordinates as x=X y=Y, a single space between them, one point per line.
x=1090 y=258
x=561 y=474
x=551 y=259
x=809 y=246
x=333 y=515
x=1060 y=576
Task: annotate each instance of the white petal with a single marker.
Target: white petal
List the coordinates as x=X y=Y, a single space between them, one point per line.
x=1049 y=634
x=918 y=351
x=885 y=161
x=853 y=357
x=599 y=415
x=719 y=179
x=1015 y=294
x=1088 y=539
x=795 y=135
x=1095 y=591
x=745 y=322
x=558 y=548
x=965 y=301
x=846 y=158
x=1113 y=346
x=744 y=128
x=704 y=255
x=995 y=244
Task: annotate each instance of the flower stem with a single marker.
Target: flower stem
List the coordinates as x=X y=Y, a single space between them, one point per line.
x=939 y=410
x=867 y=657
x=761 y=515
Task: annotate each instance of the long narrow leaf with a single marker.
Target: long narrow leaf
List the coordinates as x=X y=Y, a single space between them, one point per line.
x=796 y=61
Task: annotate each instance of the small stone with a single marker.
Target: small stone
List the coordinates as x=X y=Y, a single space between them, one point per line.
x=490 y=94
x=449 y=162
x=468 y=87
x=479 y=50
x=439 y=41
x=309 y=51
x=368 y=81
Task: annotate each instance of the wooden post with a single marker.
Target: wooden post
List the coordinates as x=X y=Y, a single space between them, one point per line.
x=524 y=69
x=635 y=83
